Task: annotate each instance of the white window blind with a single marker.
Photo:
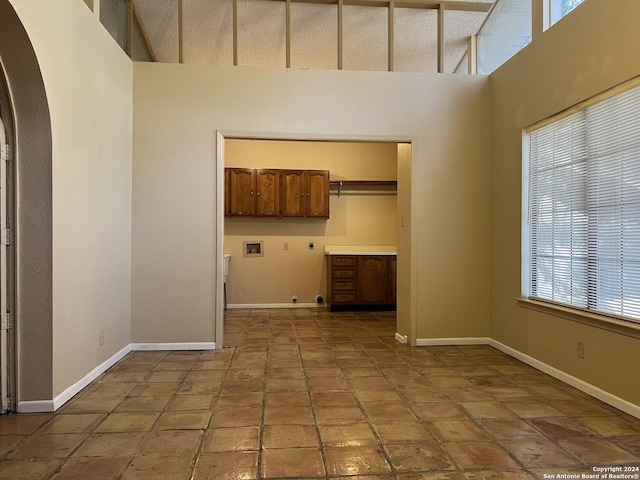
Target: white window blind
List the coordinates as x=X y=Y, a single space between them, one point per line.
x=584 y=208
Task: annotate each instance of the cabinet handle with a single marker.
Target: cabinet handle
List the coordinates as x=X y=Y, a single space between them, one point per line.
x=252 y=193
x=258 y=193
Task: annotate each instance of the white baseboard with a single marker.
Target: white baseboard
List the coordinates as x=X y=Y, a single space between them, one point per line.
x=39 y=406
x=173 y=346
x=592 y=390
x=36 y=406
x=276 y=305
x=402 y=338
x=424 y=342
x=42 y=406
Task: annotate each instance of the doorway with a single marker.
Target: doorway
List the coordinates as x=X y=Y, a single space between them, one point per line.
x=6 y=273
x=402 y=151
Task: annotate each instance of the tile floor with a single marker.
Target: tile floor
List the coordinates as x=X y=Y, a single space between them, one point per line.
x=303 y=394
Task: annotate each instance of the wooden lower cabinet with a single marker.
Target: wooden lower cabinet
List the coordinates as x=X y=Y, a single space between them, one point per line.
x=361 y=282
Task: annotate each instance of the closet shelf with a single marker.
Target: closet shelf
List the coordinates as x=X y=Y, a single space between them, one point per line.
x=361 y=184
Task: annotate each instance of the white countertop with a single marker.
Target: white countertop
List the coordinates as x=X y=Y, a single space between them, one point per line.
x=360 y=250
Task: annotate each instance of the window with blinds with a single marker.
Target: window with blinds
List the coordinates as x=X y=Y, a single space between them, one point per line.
x=582 y=235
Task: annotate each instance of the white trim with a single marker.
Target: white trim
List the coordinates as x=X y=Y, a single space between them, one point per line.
x=276 y=305
x=39 y=406
x=592 y=390
x=173 y=346
x=36 y=406
x=402 y=338
x=424 y=342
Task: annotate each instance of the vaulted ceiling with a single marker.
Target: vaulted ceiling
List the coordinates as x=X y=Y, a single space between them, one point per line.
x=306 y=33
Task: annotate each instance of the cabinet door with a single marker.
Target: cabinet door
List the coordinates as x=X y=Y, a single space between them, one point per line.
x=317 y=191
x=242 y=183
x=372 y=279
x=392 y=263
x=293 y=193
x=267 y=193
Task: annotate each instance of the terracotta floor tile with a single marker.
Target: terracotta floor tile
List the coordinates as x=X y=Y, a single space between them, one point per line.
x=296 y=391
x=561 y=427
x=289 y=436
x=286 y=385
x=390 y=433
x=540 y=453
x=478 y=455
x=347 y=435
x=143 y=404
x=237 y=417
x=231 y=439
x=455 y=431
x=370 y=383
x=187 y=420
x=158 y=467
x=191 y=402
x=355 y=461
x=74 y=423
x=488 y=410
x=533 y=409
x=91 y=405
x=165 y=377
x=7 y=442
x=171 y=442
x=57 y=445
x=423 y=395
x=333 y=398
x=288 y=415
x=440 y=410
x=338 y=415
x=317 y=384
x=28 y=470
x=293 y=399
x=598 y=451
x=199 y=388
x=127 y=422
x=388 y=412
x=155 y=389
x=103 y=468
x=580 y=408
x=610 y=426
x=111 y=445
x=509 y=429
x=418 y=457
x=292 y=463
x=377 y=396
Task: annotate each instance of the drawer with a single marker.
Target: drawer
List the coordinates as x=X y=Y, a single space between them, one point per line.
x=343 y=261
x=343 y=285
x=343 y=273
x=345 y=297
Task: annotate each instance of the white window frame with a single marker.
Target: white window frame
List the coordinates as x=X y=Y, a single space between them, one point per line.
x=591 y=315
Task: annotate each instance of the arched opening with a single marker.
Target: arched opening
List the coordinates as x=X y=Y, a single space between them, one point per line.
x=25 y=112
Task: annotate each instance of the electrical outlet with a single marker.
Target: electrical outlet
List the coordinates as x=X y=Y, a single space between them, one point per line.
x=580 y=351
x=102 y=336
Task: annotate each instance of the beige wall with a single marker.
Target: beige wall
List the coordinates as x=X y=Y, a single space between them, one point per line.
x=88 y=80
x=361 y=217
x=565 y=65
x=179 y=108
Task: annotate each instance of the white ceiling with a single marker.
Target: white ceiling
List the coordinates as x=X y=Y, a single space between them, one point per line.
x=208 y=34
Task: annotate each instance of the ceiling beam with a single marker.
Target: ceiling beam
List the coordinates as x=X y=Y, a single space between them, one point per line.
x=420 y=4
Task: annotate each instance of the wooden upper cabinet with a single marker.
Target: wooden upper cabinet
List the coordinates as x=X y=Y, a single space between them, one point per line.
x=293 y=193
x=276 y=193
x=267 y=193
x=317 y=185
x=242 y=186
